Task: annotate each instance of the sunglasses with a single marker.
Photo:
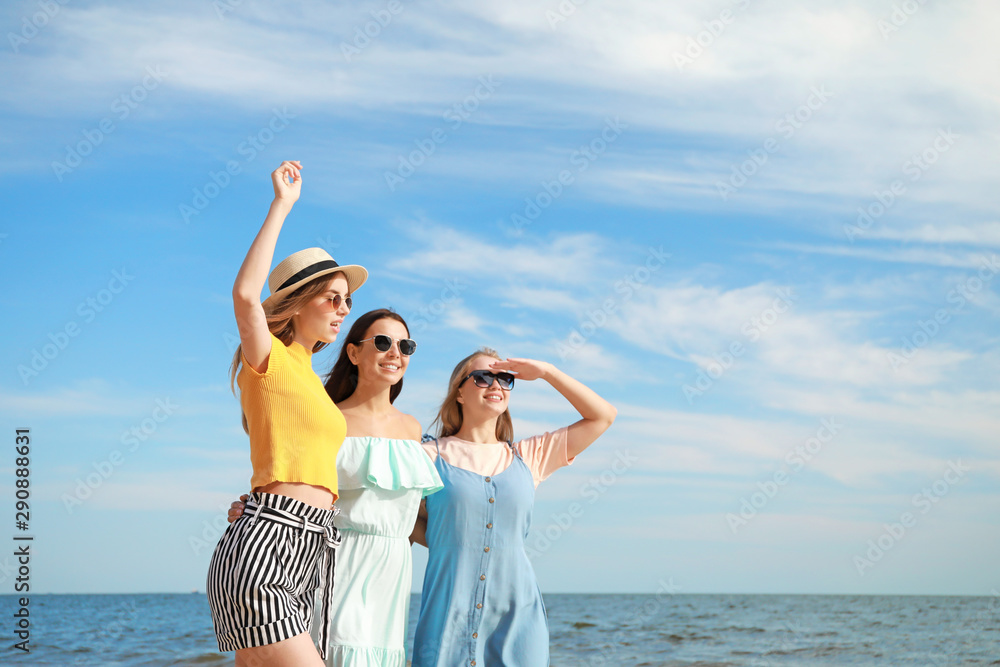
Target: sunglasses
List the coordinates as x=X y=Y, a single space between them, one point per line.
x=337 y=299
x=407 y=346
x=484 y=379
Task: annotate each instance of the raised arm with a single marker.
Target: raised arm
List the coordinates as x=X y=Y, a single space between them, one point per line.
x=597 y=413
x=255 y=338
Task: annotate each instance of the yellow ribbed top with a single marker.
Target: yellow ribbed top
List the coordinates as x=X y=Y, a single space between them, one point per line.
x=295 y=429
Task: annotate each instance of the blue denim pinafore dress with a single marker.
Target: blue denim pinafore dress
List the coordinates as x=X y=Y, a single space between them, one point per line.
x=480 y=604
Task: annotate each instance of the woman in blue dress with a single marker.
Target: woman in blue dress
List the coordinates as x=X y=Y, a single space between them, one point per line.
x=480 y=603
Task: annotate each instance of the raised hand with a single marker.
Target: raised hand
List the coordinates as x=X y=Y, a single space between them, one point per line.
x=524 y=369
x=287 y=181
x=597 y=413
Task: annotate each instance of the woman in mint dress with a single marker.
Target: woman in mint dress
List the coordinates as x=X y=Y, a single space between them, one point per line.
x=383 y=475
x=481 y=605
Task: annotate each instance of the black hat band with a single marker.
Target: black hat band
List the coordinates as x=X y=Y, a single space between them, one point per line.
x=308 y=272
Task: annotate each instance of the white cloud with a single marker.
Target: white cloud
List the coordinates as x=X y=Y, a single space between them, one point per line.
x=601 y=62
x=944 y=258
x=978 y=234
x=461 y=318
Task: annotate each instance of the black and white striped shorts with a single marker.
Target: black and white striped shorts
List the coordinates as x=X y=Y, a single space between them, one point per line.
x=265 y=571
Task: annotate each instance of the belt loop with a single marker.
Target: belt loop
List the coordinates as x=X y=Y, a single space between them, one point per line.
x=256 y=509
x=302 y=531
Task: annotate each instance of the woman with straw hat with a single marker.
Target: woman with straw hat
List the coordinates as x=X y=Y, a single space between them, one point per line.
x=383 y=475
x=266 y=569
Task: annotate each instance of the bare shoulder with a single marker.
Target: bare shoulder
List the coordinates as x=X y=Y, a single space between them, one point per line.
x=413 y=428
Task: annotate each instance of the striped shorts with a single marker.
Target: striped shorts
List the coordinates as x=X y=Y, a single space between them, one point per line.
x=265 y=571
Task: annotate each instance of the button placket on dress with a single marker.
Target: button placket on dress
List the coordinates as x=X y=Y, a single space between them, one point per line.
x=507 y=617
x=479 y=599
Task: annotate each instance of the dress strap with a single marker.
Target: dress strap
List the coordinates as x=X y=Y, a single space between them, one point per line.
x=516 y=450
x=428 y=436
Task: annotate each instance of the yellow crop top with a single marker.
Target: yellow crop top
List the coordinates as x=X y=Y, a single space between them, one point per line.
x=295 y=429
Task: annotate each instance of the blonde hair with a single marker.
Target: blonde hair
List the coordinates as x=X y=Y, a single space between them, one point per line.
x=279 y=323
x=449 y=417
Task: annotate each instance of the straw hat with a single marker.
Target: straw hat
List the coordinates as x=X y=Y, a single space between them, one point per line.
x=299 y=268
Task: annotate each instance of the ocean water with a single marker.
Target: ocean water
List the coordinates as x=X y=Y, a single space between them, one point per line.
x=157 y=630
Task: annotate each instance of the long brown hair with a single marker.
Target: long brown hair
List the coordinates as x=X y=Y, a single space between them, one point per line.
x=279 y=323
x=449 y=417
x=343 y=377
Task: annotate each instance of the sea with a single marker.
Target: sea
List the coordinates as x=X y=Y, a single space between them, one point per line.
x=657 y=630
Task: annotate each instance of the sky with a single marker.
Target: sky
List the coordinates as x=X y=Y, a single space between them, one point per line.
x=767 y=232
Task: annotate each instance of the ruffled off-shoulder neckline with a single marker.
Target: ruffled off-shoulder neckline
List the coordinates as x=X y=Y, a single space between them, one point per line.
x=386 y=463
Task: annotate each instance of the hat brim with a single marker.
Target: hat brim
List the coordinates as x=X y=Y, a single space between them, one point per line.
x=356 y=276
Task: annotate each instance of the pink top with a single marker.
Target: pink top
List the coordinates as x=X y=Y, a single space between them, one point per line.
x=543 y=454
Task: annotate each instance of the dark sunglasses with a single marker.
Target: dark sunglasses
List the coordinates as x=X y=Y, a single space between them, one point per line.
x=484 y=379
x=336 y=300
x=407 y=346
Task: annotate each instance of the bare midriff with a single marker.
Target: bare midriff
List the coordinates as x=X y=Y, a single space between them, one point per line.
x=317 y=496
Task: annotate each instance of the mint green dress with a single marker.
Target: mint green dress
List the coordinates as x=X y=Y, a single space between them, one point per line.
x=382 y=482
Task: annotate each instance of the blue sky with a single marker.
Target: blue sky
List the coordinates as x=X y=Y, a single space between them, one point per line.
x=767 y=232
